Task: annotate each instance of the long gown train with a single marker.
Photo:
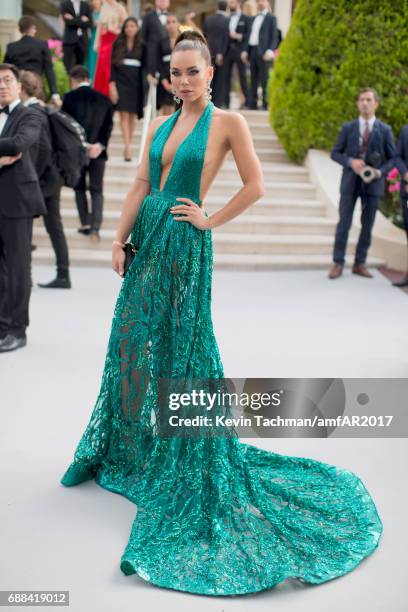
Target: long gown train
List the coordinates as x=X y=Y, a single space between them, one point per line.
x=214 y=515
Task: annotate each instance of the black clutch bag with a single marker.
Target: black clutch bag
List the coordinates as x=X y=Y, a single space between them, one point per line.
x=130 y=252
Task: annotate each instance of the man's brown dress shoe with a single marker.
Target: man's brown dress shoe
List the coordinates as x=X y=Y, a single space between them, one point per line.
x=336 y=270
x=361 y=270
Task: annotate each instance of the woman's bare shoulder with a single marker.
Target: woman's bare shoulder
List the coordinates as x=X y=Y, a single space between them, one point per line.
x=156 y=122
x=229 y=120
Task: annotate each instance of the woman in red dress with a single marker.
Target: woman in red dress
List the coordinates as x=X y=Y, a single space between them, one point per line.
x=112 y=16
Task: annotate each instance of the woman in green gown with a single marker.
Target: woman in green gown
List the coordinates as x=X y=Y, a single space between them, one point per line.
x=214 y=515
x=92 y=55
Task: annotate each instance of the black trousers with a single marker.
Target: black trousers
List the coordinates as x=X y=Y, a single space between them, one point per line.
x=95 y=171
x=74 y=54
x=233 y=57
x=218 y=84
x=53 y=225
x=15 y=274
x=259 y=76
x=369 y=205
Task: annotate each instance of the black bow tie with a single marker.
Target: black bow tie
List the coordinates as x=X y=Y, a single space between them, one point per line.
x=6 y=110
x=163 y=12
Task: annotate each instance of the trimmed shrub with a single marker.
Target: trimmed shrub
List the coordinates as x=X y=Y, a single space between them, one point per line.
x=331 y=51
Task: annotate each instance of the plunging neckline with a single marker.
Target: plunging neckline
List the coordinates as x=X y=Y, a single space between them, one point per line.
x=182 y=142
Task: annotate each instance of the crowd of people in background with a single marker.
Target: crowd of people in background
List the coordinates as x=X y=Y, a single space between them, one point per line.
x=111 y=59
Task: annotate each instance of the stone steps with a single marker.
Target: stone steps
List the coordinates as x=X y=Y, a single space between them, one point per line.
x=263 y=224
x=116 y=170
x=224 y=242
x=265 y=153
x=257 y=130
x=222 y=261
x=286 y=229
x=266 y=205
x=222 y=191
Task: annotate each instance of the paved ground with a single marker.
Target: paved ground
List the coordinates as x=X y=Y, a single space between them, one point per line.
x=280 y=324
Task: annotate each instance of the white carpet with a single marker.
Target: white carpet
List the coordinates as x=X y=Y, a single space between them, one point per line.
x=272 y=324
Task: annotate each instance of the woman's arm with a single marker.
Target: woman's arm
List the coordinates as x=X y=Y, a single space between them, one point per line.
x=249 y=167
x=139 y=189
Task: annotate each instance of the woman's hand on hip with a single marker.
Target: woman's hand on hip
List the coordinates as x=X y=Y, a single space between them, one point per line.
x=191 y=212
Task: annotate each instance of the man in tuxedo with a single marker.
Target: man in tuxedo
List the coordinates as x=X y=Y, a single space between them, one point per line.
x=239 y=27
x=154 y=38
x=364 y=141
x=216 y=30
x=21 y=200
x=50 y=180
x=28 y=53
x=77 y=16
x=94 y=111
x=258 y=51
x=401 y=162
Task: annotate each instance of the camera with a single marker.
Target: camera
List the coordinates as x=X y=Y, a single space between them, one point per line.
x=368 y=173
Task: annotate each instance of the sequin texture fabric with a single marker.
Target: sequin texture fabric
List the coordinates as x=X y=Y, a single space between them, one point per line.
x=214 y=515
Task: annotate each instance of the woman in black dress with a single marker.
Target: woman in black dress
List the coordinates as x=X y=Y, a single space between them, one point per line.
x=126 y=85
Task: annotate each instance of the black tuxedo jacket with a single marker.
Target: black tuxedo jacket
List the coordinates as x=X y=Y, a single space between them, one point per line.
x=268 y=35
x=243 y=27
x=348 y=146
x=216 y=30
x=153 y=33
x=28 y=53
x=401 y=160
x=94 y=111
x=71 y=25
x=19 y=186
x=43 y=155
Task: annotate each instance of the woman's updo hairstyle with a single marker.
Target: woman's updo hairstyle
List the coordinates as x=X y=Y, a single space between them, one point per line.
x=193 y=39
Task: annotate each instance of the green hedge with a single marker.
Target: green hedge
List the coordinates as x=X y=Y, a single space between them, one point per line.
x=332 y=49
x=61 y=78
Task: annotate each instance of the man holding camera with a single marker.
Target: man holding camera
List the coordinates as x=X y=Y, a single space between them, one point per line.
x=365 y=148
x=402 y=165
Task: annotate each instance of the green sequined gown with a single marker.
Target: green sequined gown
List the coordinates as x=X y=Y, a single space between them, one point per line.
x=214 y=515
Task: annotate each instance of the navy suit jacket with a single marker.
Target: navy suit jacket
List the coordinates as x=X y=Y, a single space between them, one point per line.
x=268 y=35
x=347 y=146
x=401 y=160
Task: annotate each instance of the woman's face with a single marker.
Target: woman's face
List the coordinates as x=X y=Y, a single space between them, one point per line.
x=96 y=5
x=189 y=74
x=131 y=29
x=172 y=24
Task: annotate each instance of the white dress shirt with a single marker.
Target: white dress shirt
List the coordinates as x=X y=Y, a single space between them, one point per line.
x=162 y=16
x=4 y=117
x=77 y=9
x=362 y=126
x=233 y=22
x=30 y=101
x=362 y=123
x=256 y=26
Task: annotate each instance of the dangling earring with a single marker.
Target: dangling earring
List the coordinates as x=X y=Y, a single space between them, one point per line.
x=208 y=91
x=176 y=98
